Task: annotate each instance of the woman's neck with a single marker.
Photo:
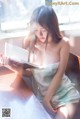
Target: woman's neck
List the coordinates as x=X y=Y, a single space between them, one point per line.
x=40 y=44
x=44 y=45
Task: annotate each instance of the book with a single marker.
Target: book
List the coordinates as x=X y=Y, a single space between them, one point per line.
x=18 y=55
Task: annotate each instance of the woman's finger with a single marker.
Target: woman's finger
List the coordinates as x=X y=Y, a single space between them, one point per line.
x=51 y=108
x=48 y=105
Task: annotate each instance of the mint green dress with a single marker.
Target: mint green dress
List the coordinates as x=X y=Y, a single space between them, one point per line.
x=66 y=93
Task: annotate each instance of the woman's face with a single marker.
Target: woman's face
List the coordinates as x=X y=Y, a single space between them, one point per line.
x=40 y=32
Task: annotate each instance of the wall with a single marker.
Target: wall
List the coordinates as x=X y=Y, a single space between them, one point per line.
x=74 y=40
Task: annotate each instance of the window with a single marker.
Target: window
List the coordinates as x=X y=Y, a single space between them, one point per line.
x=15 y=14
x=67 y=11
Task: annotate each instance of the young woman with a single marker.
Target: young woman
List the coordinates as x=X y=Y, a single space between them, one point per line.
x=50 y=50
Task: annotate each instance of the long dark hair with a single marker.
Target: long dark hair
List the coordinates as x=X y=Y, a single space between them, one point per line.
x=46 y=17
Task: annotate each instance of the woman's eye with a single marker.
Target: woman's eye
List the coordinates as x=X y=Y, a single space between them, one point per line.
x=44 y=30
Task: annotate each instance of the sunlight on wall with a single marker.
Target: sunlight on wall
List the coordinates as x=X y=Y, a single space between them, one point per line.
x=71 y=41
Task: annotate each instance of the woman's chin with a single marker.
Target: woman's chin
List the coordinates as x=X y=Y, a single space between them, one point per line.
x=42 y=40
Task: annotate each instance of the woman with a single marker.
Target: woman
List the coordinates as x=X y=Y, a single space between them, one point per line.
x=48 y=49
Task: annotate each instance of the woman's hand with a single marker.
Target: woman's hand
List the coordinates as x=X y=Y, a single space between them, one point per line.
x=27 y=72
x=13 y=63
x=2 y=59
x=46 y=102
x=17 y=67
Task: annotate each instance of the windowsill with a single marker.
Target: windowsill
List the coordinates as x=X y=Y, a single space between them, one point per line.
x=7 y=35
x=23 y=33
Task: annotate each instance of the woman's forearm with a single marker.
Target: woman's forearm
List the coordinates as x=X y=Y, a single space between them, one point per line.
x=54 y=85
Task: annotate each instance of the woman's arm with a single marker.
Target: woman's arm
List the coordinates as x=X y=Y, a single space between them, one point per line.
x=26 y=43
x=64 y=54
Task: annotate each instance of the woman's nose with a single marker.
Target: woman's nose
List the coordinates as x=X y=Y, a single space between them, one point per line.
x=41 y=34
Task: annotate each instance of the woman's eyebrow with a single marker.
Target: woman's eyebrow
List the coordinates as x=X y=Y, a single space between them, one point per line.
x=43 y=28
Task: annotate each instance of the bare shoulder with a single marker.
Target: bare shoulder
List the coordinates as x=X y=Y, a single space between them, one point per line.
x=65 y=43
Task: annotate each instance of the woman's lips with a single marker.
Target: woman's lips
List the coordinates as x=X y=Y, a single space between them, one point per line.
x=42 y=38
